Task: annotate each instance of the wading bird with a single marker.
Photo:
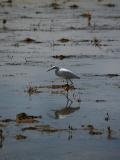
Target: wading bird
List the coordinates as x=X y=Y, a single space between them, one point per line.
x=64 y=73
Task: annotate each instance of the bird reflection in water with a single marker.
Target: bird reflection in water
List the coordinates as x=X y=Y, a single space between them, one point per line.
x=65 y=111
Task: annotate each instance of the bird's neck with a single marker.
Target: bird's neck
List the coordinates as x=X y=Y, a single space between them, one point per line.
x=56 y=69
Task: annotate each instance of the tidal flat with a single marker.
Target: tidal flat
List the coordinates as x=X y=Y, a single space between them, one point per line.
x=42 y=117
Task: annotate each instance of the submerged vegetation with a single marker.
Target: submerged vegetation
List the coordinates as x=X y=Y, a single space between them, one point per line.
x=24 y=118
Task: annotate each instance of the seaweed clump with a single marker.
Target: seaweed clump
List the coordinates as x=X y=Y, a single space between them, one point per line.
x=74 y=6
x=43 y=128
x=55 y=5
x=109 y=5
x=28 y=40
x=92 y=130
x=24 y=118
x=64 y=40
x=61 y=56
x=20 y=137
x=32 y=90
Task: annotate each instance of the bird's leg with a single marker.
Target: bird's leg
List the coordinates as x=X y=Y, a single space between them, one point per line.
x=67 y=81
x=71 y=81
x=66 y=95
x=68 y=100
x=68 y=104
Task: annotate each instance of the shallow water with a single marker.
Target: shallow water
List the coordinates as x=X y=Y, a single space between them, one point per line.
x=24 y=64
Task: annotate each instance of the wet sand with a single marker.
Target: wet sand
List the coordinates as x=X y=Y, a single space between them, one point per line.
x=41 y=117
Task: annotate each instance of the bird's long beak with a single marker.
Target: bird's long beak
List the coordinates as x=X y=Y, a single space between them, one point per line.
x=50 y=69
x=53 y=67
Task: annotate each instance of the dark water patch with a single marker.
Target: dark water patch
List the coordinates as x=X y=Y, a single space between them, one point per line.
x=109 y=17
x=83 y=40
x=115 y=17
x=32 y=62
x=100 y=100
x=96 y=27
x=62 y=57
x=16 y=44
x=94 y=42
x=106 y=27
x=7 y=120
x=111 y=5
x=38 y=12
x=117 y=85
x=64 y=42
x=12 y=75
x=110 y=75
x=6 y=30
x=111 y=40
x=57 y=92
x=14 y=64
x=7 y=75
x=4 y=12
x=76 y=28
x=26 y=17
x=26 y=63
x=4 y=21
